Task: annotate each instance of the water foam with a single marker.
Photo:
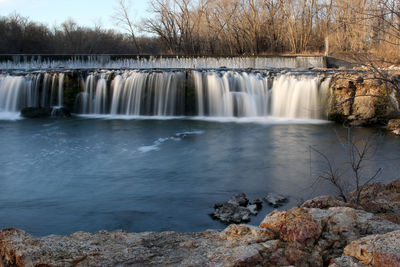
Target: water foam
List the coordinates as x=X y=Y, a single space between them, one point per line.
x=176 y=137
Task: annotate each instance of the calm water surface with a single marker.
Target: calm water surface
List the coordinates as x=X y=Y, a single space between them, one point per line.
x=62 y=176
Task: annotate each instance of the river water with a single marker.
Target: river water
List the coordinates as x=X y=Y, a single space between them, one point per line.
x=90 y=174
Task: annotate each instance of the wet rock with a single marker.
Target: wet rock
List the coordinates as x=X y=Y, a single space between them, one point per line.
x=35 y=112
x=231 y=213
x=60 y=112
x=253 y=209
x=45 y=112
x=376 y=250
x=258 y=202
x=394 y=126
x=235 y=210
x=239 y=199
x=275 y=200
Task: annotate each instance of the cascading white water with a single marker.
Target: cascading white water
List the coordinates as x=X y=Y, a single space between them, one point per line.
x=217 y=94
x=209 y=93
x=227 y=94
x=13 y=93
x=31 y=90
x=134 y=93
x=248 y=95
x=297 y=97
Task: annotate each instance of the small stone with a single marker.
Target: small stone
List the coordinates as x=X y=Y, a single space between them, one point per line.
x=231 y=213
x=239 y=199
x=253 y=209
x=258 y=202
x=275 y=200
x=394 y=126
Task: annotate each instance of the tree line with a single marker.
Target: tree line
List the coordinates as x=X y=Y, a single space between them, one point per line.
x=221 y=27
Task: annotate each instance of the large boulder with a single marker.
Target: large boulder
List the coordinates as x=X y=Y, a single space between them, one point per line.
x=358 y=99
x=295 y=225
x=376 y=250
x=323 y=232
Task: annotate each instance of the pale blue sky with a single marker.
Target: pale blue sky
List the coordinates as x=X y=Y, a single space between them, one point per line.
x=84 y=12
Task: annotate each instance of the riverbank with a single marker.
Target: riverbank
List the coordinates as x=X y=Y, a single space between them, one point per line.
x=322 y=231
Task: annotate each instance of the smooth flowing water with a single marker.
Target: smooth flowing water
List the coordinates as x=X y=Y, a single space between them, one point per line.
x=62 y=176
x=203 y=93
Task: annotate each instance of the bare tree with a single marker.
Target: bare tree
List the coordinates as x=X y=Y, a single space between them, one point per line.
x=353 y=174
x=122 y=19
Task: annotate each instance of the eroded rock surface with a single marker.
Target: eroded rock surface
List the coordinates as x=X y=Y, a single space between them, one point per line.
x=359 y=99
x=376 y=250
x=325 y=231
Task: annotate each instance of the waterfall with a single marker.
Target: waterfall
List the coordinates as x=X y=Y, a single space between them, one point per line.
x=203 y=93
x=296 y=97
x=216 y=94
x=60 y=89
x=134 y=93
x=230 y=93
x=30 y=90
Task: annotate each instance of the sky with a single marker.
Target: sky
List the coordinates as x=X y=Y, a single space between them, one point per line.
x=84 y=12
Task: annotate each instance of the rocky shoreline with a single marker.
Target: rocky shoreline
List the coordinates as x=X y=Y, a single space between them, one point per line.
x=321 y=232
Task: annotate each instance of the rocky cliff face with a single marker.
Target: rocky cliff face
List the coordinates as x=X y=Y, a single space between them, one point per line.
x=323 y=231
x=362 y=99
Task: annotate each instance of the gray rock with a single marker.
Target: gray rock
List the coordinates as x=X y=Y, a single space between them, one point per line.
x=238 y=245
x=253 y=209
x=45 y=112
x=326 y=231
x=346 y=261
x=257 y=202
x=231 y=213
x=376 y=250
x=275 y=200
x=60 y=112
x=35 y=112
x=239 y=199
